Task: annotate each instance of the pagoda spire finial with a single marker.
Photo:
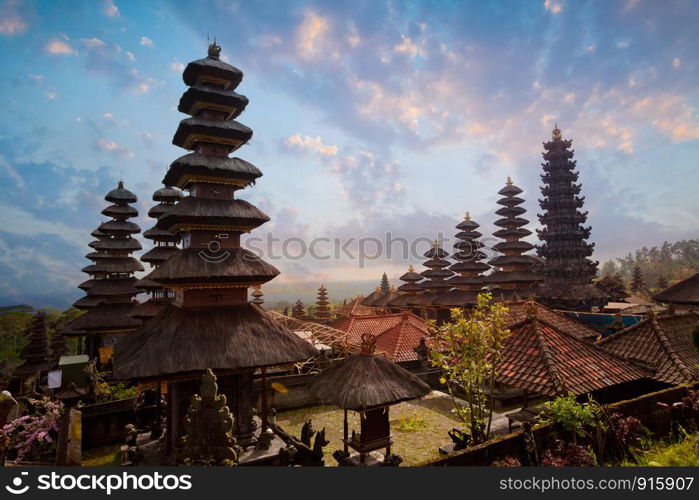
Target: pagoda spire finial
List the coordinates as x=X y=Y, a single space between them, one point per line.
x=467 y=216
x=556 y=134
x=214 y=50
x=509 y=181
x=411 y=269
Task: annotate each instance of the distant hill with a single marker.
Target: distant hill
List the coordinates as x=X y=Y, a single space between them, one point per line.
x=15 y=309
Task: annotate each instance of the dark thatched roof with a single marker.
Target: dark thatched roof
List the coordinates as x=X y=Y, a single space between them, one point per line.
x=127 y=244
x=114 y=265
x=211 y=67
x=229 y=130
x=683 y=292
x=386 y=298
x=181 y=341
x=104 y=317
x=198 y=96
x=149 y=308
x=457 y=298
x=120 y=195
x=363 y=381
x=212 y=212
x=120 y=211
x=202 y=165
x=119 y=227
x=159 y=254
x=372 y=297
x=167 y=194
x=157 y=234
x=236 y=265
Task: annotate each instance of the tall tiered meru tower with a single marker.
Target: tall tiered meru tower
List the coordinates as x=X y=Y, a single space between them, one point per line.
x=568 y=271
x=211 y=324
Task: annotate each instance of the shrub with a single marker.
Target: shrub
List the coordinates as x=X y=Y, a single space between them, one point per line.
x=564 y=454
x=568 y=414
x=34 y=435
x=507 y=461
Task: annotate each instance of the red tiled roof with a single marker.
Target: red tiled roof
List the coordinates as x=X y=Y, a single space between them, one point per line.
x=354 y=308
x=541 y=357
x=661 y=342
x=518 y=313
x=396 y=334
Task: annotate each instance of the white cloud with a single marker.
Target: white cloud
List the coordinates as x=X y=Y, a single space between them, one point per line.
x=553 y=6
x=92 y=42
x=310 y=145
x=130 y=56
x=676 y=62
x=310 y=34
x=146 y=42
x=11 y=21
x=112 y=148
x=176 y=66
x=110 y=9
x=58 y=47
x=108 y=116
x=406 y=46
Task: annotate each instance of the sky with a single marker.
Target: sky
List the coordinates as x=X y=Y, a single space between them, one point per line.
x=371 y=119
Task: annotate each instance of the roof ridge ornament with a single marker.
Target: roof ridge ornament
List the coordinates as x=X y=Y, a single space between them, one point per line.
x=556 y=133
x=509 y=181
x=368 y=345
x=214 y=50
x=467 y=216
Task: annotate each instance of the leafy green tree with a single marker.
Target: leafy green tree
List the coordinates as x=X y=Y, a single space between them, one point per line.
x=468 y=349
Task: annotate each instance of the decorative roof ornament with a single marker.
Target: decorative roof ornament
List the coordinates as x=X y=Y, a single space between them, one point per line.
x=467 y=216
x=214 y=50
x=368 y=345
x=532 y=309
x=411 y=269
x=509 y=181
x=556 y=134
x=435 y=244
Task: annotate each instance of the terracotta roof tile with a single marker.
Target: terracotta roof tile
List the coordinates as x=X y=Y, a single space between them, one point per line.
x=541 y=357
x=518 y=312
x=661 y=342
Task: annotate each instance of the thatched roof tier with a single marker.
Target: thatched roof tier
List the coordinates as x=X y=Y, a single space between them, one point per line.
x=105 y=317
x=509 y=260
x=157 y=234
x=120 y=211
x=120 y=195
x=457 y=298
x=410 y=287
x=167 y=194
x=148 y=309
x=88 y=301
x=510 y=211
x=228 y=339
x=685 y=292
x=238 y=266
x=212 y=212
x=363 y=381
x=512 y=277
x=436 y=263
x=197 y=167
x=435 y=273
x=114 y=265
x=212 y=69
x=192 y=131
x=159 y=209
x=128 y=244
x=510 y=190
x=424 y=299
x=466 y=280
x=159 y=254
x=119 y=227
x=121 y=286
x=512 y=233
x=99 y=234
x=468 y=243
x=436 y=252
x=506 y=246
x=467 y=265
x=206 y=97
x=510 y=202
x=372 y=297
x=411 y=275
x=388 y=297
x=146 y=283
x=511 y=222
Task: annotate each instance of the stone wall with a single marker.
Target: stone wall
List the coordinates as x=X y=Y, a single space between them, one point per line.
x=653 y=416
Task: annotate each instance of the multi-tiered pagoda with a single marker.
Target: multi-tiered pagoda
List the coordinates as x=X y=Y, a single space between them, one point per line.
x=568 y=270
x=210 y=324
x=470 y=280
x=515 y=277
x=322 y=305
x=35 y=354
x=435 y=283
x=165 y=246
x=111 y=289
x=408 y=290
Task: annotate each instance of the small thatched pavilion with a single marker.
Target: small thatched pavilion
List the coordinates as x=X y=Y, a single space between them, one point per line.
x=368 y=384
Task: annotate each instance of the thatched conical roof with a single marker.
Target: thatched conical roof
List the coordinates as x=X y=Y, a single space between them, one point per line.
x=366 y=380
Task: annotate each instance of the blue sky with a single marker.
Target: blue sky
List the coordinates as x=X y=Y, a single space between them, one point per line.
x=369 y=117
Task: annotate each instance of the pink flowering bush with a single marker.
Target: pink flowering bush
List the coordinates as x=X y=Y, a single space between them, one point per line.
x=34 y=435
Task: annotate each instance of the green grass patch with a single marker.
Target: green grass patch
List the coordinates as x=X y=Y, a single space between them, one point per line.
x=102 y=457
x=663 y=454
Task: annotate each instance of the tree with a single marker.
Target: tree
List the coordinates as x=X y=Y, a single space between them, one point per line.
x=385 y=285
x=468 y=349
x=637 y=283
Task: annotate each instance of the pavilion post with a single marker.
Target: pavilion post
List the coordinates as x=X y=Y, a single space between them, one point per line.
x=346 y=446
x=263 y=398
